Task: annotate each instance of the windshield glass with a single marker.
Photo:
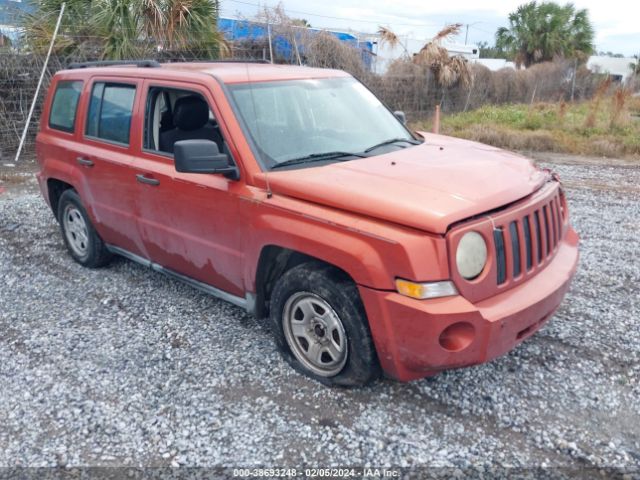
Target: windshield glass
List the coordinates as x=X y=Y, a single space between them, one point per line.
x=297 y=118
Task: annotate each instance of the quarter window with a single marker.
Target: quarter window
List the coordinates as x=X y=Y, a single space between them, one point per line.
x=110 y=111
x=64 y=105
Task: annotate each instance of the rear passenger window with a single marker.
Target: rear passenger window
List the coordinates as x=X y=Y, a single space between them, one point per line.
x=110 y=110
x=65 y=103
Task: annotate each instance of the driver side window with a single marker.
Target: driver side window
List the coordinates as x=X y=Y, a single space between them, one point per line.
x=173 y=115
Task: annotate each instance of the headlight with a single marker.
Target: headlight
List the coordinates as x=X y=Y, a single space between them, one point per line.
x=471 y=256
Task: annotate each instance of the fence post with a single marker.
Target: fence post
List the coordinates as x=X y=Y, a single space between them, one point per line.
x=295 y=45
x=270 y=46
x=436 y=120
x=35 y=96
x=466 y=104
x=573 y=80
x=533 y=95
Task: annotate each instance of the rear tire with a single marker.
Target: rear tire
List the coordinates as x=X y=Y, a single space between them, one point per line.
x=83 y=242
x=321 y=328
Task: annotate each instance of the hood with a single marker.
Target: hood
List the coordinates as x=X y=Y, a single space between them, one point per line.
x=428 y=186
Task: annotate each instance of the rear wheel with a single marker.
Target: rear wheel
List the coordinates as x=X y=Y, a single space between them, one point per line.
x=83 y=242
x=321 y=328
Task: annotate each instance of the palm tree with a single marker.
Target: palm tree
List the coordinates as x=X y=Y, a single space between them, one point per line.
x=118 y=29
x=448 y=70
x=539 y=32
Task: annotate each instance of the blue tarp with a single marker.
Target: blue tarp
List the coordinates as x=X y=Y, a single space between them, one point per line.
x=238 y=30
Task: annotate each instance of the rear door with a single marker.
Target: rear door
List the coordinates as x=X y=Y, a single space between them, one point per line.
x=106 y=158
x=190 y=223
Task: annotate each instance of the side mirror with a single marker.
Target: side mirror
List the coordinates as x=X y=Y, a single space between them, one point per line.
x=202 y=156
x=400 y=116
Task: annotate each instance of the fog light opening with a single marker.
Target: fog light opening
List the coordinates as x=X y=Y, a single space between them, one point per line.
x=457 y=337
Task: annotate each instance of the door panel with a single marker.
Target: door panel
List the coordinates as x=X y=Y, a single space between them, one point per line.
x=111 y=190
x=110 y=175
x=191 y=223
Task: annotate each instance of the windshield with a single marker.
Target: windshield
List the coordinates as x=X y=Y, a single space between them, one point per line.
x=294 y=119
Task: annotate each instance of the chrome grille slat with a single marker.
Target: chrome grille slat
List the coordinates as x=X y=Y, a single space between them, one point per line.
x=515 y=248
x=554 y=227
x=558 y=218
x=538 y=235
x=501 y=262
x=526 y=226
x=545 y=215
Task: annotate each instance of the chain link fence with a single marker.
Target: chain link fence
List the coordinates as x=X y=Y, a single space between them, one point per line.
x=19 y=75
x=407 y=87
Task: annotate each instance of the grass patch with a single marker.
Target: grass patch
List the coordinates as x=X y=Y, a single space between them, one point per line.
x=607 y=126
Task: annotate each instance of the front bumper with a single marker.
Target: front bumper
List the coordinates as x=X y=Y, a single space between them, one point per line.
x=418 y=338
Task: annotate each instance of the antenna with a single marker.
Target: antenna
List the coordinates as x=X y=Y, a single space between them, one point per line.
x=255 y=114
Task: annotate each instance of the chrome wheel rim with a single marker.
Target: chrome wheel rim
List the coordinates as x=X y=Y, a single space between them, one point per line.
x=75 y=229
x=315 y=334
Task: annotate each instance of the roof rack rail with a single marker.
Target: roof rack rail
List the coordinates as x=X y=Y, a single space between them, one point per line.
x=224 y=60
x=240 y=60
x=111 y=63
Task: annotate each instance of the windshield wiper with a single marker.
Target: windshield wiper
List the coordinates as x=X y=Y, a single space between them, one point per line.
x=390 y=141
x=317 y=157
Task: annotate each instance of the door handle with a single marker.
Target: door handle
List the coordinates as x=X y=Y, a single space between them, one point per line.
x=85 y=162
x=146 y=180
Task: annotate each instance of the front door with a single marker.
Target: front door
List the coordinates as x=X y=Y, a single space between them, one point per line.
x=189 y=223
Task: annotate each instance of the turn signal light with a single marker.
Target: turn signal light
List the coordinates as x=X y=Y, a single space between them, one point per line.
x=422 y=291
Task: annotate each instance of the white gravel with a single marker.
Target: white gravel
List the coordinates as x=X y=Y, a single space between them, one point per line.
x=122 y=366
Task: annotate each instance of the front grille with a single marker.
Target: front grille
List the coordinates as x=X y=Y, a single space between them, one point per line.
x=521 y=239
x=516 y=245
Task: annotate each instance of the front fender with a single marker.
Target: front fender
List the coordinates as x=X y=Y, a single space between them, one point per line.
x=373 y=253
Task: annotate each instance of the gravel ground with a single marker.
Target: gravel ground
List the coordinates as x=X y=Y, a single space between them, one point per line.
x=122 y=366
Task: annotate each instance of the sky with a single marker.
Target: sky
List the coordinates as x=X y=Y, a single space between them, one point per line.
x=616 y=21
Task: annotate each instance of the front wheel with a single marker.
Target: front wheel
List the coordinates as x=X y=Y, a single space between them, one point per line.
x=321 y=327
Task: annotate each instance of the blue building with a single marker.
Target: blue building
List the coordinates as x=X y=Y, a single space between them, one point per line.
x=10 y=11
x=244 y=30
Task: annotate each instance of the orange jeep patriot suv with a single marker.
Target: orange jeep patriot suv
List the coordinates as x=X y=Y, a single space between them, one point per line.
x=296 y=194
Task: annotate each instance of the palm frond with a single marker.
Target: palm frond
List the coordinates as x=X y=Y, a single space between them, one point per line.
x=447 y=32
x=387 y=36
x=118 y=29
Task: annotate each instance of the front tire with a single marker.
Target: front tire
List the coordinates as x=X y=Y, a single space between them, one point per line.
x=320 y=326
x=82 y=241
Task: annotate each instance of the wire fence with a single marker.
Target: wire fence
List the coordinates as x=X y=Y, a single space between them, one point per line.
x=19 y=74
x=405 y=86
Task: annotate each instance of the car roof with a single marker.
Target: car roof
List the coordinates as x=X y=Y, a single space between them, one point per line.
x=227 y=72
